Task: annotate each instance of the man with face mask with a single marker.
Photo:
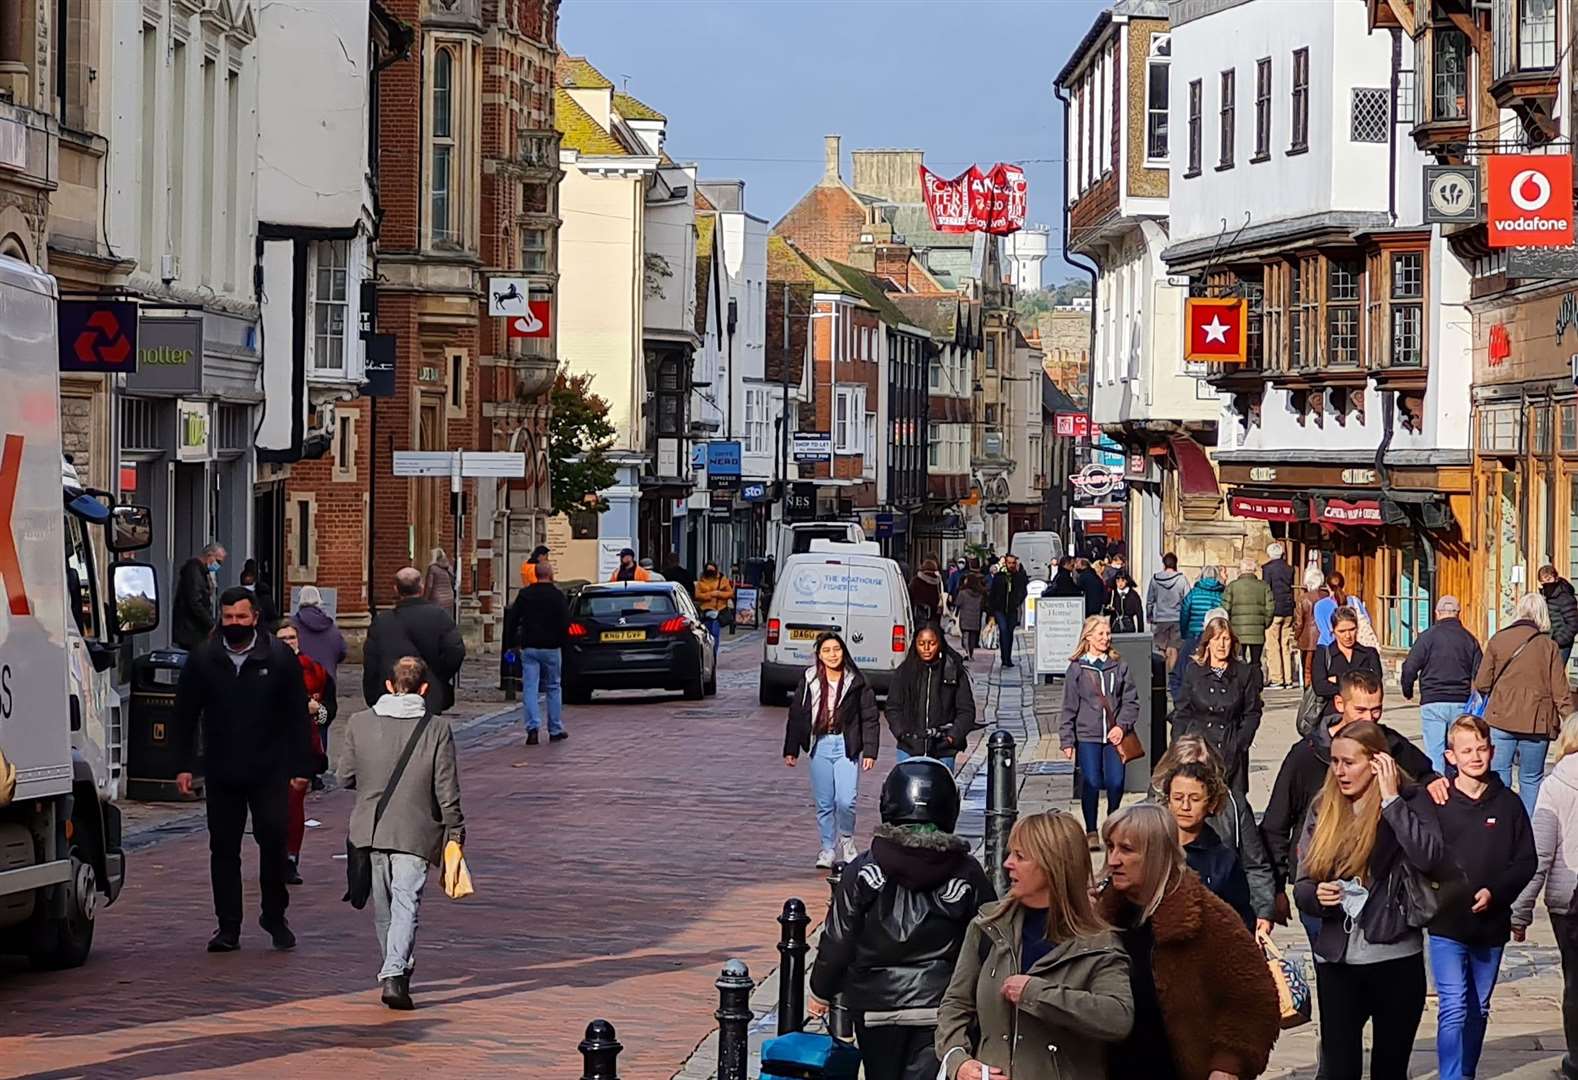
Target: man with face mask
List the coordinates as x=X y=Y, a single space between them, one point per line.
x=192 y=614
x=244 y=686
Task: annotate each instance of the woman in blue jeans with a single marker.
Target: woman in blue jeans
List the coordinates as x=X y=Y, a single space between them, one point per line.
x=834 y=715
x=1101 y=704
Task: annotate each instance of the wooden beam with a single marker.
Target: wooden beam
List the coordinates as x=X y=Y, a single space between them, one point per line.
x=1467 y=24
x=1403 y=10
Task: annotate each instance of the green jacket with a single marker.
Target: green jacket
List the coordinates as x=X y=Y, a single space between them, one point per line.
x=1078 y=1001
x=1249 y=606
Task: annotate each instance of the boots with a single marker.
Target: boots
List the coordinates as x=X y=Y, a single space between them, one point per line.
x=397 y=992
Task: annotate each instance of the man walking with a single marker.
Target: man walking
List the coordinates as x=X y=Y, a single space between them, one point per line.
x=192 y=613
x=413 y=627
x=1280 y=644
x=1091 y=587
x=537 y=627
x=1164 y=598
x=1249 y=607
x=1443 y=662
x=245 y=688
x=1006 y=601
x=419 y=815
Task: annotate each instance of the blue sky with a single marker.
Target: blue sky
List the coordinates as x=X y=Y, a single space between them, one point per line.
x=751 y=86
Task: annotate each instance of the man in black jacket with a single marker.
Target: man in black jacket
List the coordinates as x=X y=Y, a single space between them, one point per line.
x=245 y=688
x=1091 y=586
x=1563 y=605
x=413 y=627
x=1280 y=643
x=537 y=627
x=1443 y=661
x=1006 y=602
x=192 y=613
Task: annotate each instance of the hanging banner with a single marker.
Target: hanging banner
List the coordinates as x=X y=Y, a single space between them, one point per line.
x=994 y=201
x=1214 y=329
x=1531 y=200
x=1010 y=195
x=949 y=202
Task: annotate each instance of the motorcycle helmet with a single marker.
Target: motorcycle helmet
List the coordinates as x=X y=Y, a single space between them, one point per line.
x=920 y=791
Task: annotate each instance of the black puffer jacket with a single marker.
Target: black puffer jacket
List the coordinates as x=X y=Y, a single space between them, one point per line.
x=897 y=920
x=931 y=697
x=414 y=627
x=857 y=717
x=1563 y=605
x=1223 y=709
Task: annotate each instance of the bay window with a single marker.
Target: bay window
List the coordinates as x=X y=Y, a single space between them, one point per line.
x=1156 y=98
x=1396 y=310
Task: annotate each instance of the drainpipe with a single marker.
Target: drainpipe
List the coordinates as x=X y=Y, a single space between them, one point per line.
x=1090 y=269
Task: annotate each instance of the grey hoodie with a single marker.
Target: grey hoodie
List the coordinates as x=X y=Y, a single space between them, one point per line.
x=1165 y=595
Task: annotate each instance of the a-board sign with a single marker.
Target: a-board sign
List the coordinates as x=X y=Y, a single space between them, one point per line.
x=1058 y=620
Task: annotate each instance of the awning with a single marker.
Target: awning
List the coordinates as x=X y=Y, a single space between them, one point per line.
x=1196 y=474
x=1262 y=508
x=1347 y=511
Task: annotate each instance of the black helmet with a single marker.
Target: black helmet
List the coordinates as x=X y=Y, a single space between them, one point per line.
x=920 y=791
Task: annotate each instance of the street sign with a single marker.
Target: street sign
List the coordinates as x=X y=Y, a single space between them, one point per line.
x=459 y=463
x=812 y=446
x=424 y=462
x=1451 y=194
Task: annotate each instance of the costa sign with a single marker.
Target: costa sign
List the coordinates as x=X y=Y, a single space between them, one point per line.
x=1531 y=200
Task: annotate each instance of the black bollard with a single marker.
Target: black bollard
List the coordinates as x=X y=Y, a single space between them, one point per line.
x=734 y=1020
x=1002 y=805
x=791 y=966
x=600 y=1052
x=840 y=1024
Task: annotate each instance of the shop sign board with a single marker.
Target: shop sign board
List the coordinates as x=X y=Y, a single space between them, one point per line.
x=1251 y=506
x=1344 y=512
x=812 y=446
x=1525 y=341
x=191 y=431
x=169 y=356
x=1530 y=200
x=1058 y=623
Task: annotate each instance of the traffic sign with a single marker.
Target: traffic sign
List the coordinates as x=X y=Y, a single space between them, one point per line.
x=459 y=463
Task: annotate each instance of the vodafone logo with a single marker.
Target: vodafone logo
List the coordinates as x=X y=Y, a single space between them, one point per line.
x=1530 y=191
x=1531 y=200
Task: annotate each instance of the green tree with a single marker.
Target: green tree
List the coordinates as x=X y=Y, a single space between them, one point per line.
x=578 y=434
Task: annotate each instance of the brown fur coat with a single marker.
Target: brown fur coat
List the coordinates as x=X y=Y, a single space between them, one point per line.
x=1217 y=995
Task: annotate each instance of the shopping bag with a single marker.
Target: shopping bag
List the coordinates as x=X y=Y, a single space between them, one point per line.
x=457 y=878
x=989 y=635
x=1293 y=991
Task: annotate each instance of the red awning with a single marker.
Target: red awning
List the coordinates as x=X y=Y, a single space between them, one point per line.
x=1196 y=475
x=1254 y=506
x=1346 y=512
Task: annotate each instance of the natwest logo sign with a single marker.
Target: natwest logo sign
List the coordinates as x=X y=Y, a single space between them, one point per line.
x=1500 y=347
x=1531 y=200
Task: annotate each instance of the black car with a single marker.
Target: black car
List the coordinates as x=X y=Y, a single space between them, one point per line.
x=634 y=635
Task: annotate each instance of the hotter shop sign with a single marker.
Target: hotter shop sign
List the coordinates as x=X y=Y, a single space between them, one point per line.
x=1531 y=200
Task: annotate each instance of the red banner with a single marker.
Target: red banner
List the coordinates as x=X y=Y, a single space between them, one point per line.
x=951 y=203
x=995 y=201
x=1530 y=200
x=1071 y=425
x=1249 y=506
x=1214 y=330
x=1343 y=512
x=1010 y=194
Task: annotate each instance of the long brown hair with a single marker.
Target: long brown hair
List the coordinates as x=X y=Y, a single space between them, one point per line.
x=826 y=714
x=1056 y=843
x=1345 y=829
x=1214 y=629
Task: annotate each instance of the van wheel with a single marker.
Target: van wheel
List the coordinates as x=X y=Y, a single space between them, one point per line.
x=65 y=942
x=767 y=694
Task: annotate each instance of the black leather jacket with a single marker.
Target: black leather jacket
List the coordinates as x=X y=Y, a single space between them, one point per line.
x=897 y=920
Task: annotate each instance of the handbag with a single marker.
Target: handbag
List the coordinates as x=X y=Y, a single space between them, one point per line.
x=1130 y=748
x=1367 y=636
x=1311 y=706
x=1478 y=703
x=1293 y=990
x=359 y=860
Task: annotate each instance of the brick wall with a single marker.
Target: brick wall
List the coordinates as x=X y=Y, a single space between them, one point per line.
x=824 y=223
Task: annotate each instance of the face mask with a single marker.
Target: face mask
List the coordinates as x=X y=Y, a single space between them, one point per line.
x=236 y=635
x=1354 y=894
x=213 y=567
x=250 y=588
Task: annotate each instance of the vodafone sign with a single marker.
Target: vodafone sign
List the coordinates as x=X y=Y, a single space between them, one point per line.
x=1531 y=200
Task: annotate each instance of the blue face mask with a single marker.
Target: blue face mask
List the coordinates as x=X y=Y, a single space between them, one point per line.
x=213 y=566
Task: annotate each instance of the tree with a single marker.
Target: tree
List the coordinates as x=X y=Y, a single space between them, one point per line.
x=578 y=434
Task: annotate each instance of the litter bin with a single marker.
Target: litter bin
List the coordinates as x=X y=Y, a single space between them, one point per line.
x=155 y=745
x=801 y=1055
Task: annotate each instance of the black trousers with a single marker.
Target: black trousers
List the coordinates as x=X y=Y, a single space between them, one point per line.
x=1566 y=927
x=228 y=806
x=1251 y=654
x=890 y=1052
x=1390 y=995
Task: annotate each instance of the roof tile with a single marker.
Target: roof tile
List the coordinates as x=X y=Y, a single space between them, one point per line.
x=634 y=109
x=580 y=132
x=577 y=71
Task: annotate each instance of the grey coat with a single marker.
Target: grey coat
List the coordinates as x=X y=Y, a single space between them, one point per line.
x=968 y=604
x=1084 y=719
x=424 y=810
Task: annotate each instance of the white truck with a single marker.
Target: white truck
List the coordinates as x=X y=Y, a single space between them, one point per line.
x=61 y=720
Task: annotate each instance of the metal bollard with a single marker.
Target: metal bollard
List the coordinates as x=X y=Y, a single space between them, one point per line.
x=734 y=1020
x=791 y=966
x=840 y=1024
x=600 y=1052
x=1002 y=805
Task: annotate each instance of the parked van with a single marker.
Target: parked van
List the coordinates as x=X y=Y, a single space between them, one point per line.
x=847 y=588
x=1038 y=552
x=795 y=539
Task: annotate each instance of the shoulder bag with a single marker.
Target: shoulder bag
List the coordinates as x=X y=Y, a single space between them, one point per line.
x=1311 y=705
x=1130 y=749
x=1293 y=991
x=1477 y=702
x=359 y=860
x=1367 y=636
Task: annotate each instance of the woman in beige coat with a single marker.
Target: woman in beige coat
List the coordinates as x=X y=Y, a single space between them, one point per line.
x=1523 y=676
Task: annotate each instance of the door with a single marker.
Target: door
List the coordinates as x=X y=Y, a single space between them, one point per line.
x=427 y=523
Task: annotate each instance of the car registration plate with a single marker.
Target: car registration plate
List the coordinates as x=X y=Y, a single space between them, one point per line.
x=623 y=635
x=803 y=635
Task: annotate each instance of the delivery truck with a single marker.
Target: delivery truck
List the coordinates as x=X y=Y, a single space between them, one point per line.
x=67 y=613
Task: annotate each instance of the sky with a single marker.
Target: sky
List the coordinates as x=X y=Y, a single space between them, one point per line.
x=750 y=87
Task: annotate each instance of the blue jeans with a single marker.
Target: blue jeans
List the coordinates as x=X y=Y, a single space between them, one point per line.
x=715 y=628
x=1099 y=770
x=1005 y=635
x=833 y=778
x=1530 y=752
x=904 y=755
x=1465 y=978
x=1435 y=719
x=542 y=665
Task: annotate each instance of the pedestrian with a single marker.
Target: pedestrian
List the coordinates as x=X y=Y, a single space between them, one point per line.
x=956 y=575
x=252 y=581
x=1326 y=607
x=1563 y=606
x=926 y=594
x=1306 y=632
x=931 y=705
x=1006 y=604
x=400 y=757
x=1523 y=676
x=241 y=691
x=1124 y=606
x=1369 y=831
x=1220 y=700
x=438 y=585
x=1193 y=793
x=834 y=717
x=1164 y=598
x=529 y=567
x=1205 y=1005
x=898 y=918
x=674 y=570
x=1206 y=594
x=1091 y=586
x=316 y=680
x=1063 y=583
x=320 y=635
x=1342 y=655
x=1250 y=608
x=1487 y=832
x=969 y=607
x=415 y=626
x=628 y=570
x=537 y=628
x=192 y=612
x=1278 y=576
x=650 y=567
x=1443 y=661
x=1555 y=829
x=714 y=595
x=1101 y=704
x=1037 y=969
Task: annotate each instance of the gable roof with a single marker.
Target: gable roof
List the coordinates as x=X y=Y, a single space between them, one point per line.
x=634 y=109
x=939 y=315
x=577 y=71
x=864 y=285
x=785 y=262
x=580 y=132
x=702 y=203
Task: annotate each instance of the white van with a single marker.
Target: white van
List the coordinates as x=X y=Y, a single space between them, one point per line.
x=1037 y=551
x=847 y=588
x=796 y=538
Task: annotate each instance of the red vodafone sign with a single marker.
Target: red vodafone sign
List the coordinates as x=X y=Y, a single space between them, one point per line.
x=1531 y=200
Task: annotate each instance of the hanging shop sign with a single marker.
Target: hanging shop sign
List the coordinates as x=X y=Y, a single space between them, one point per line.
x=1071 y=425
x=1214 y=329
x=169 y=355
x=1344 y=512
x=98 y=336
x=191 y=430
x=1531 y=200
x=1451 y=194
x=1262 y=509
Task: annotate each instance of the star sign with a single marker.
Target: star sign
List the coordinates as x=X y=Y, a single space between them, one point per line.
x=1215 y=330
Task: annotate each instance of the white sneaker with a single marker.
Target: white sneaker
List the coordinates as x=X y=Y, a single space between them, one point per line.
x=847 y=852
x=824 y=859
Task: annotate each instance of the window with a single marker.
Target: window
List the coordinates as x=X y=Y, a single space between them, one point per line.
x=1448 y=74
x=1301 y=101
x=934 y=375
x=1408 y=295
x=301 y=544
x=871 y=441
x=1194 y=129
x=1536 y=34
x=1156 y=97
x=345 y=445
x=991 y=354
x=534 y=250
x=671 y=395
x=1262 y=109
x=1343 y=281
x=1296 y=308
x=444 y=126
x=330 y=308
x=756 y=424
x=1370 y=120
x=933 y=445
x=1228 y=109
x=849 y=420
x=455 y=382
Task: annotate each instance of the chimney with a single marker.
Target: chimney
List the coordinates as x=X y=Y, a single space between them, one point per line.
x=830 y=158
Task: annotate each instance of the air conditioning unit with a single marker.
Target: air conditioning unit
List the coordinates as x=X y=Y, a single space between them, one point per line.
x=169 y=267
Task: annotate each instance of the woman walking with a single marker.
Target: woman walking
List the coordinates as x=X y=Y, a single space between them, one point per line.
x=1205 y=1006
x=834 y=716
x=1101 y=704
x=1220 y=700
x=1041 y=989
x=1194 y=793
x=714 y=594
x=926 y=594
x=318 y=686
x=969 y=606
x=1124 y=606
x=1368 y=832
x=1523 y=676
x=931 y=706
x=321 y=639
x=1305 y=632
x=1340 y=656
x=438 y=585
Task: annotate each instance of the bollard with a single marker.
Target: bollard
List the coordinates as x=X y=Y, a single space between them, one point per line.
x=600 y=1052
x=734 y=1020
x=1002 y=805
x=791 y=966
x=840 y=1024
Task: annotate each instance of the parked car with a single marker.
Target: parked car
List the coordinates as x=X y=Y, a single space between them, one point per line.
x=637 y=635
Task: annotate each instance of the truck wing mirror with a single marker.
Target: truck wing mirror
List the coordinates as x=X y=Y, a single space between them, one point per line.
x=136 y=589
x=131 y=528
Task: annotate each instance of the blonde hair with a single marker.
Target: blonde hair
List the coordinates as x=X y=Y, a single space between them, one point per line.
x=1056 y=843
x=1091 y=623
x=1532 y=607
x=1184 y=750
x=1344 y=841
x=1154 y=833
x=1213 y=630
x=1567 y=738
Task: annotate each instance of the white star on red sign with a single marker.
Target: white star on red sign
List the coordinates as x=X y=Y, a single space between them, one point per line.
x=1215 y=330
